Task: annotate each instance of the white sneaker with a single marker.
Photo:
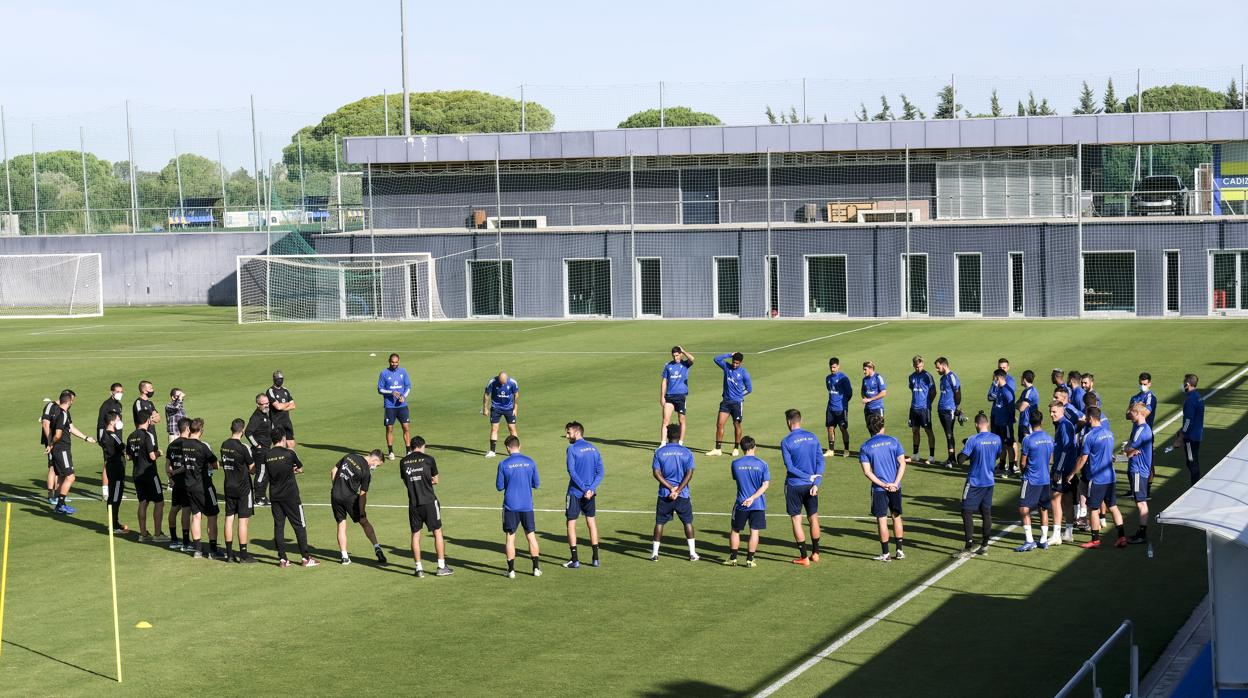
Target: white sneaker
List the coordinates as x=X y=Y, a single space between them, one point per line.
x=829 y=453
x=511 y=574
x=715 y=452
x=693 y=557
x=490 y=454
x=1055 y=541
x=900 y=555
x=914 y=457
x=882 y=558
x=736 y=452
x=537 y=573
x=390 y=455
x=1068 y=535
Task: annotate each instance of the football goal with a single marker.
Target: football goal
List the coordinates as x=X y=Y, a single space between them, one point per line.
x=51 y=286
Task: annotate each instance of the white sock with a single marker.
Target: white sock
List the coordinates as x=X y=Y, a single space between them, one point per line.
x=1057 y=531
x=654 y=548
x=1027 y=533
x=441 y=562
x=1044 y=534
x=1082 y=512
x=419 y=566
x=345 y=555
x=691 y=546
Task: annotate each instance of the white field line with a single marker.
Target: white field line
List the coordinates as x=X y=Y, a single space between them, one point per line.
x=545 y=327
x=910 y=595
x=72 y=328
x=816 y=339
x=257 y=330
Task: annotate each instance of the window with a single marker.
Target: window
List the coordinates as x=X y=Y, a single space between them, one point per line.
x=1172 y=281
x=1230 y=272
x=727 y=286
x=699 y=194
x=773 y=285
x=1109 y=282
x=970 y=293
x=826 y=286
x=650 y=286
x=916 y=290
x=485 y=287
x=588 y=284
x=1016 y=283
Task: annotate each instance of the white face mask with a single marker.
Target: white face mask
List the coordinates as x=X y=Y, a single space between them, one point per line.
x=1143 y=388
x=117 y=425
x=118 y=396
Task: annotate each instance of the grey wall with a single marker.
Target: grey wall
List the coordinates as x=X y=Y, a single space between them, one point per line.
x=155 y=268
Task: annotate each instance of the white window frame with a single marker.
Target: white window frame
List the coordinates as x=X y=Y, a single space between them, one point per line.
x=715 y=286
x=957 y=285
x=1022 y=282
x=638 y=290
x=1165 y=282
x=1135 y=287
x=1234 y=310
x=468 y=288
x=806 y=312
x=905 y=284
x=567 y=312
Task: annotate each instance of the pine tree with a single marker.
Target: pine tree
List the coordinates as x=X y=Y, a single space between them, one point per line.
x=1045 y=109
x=910 y=112
x=1110 y=100
x=862 y=112
x=885 y=113
x=1033 y=109
x=945 y=108
x=1021 y=111
x=995 y=104
x=1087 y=101
x=771 y=115
x=1234 y=98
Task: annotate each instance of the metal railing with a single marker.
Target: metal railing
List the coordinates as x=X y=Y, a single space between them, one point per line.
x=1089 y=667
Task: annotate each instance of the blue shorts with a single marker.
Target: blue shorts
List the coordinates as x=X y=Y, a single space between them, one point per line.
x=515 y=519
x=397 y=414
x=732 y=409
x=1035 y=497
x=866 y=412
x=1139 y=486
x=834 y=418
x=976 y=498
x=576 y=506
x=509 y=415
x=884 y=502
x=681 y=506
x=1101 y=494
x=677 y=401
x=756 y=518
x=920 y=417
x=1005 y=430
x=797 y=499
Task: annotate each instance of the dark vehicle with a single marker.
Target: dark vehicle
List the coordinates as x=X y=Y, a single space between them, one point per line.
x=1159 y=194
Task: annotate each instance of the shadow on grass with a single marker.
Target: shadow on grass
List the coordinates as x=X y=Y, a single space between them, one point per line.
x=688 y=687
x=71 y=665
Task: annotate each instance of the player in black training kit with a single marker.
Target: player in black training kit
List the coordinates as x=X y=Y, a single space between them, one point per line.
x=199 y=462
x=260 y=433
x=280 y=405
x=179 y=502
x=57 y=426
x=238 y=462
x=112 y=403
x=282 y=465
x=144 y=402
x=113 y=474
x=141 y=448
x=351 y=478
x=420 y=473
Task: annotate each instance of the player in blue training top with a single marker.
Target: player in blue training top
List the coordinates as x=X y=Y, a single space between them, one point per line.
x=1035 y=493
x=884 y=463
x=982 y=450
x=873 y=390
x=1065 y=454
x=501 y=401
x=394 y=385
x=1193 y=431
x=673 y=390
x=1145 y=396
x=517 y=478
x=753 y=477
x=1074 y=386
x=840 y=392
x=1139 y=451
x=1028 y=401
x=949 y=408
x=1001 y=395
x=922 y=395
x=804 y=464
x=1097 y=455
x=736 y=386
x=673 y=468
x=585 y=473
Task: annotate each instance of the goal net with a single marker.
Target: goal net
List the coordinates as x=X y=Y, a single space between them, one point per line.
x=338 y=288
x=51 y=286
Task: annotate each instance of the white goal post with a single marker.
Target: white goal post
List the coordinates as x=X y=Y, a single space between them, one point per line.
x=51 y=286
x=338 y=287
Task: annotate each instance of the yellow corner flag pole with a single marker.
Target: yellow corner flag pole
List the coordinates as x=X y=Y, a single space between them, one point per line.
x=4 y=569
x=112 y=563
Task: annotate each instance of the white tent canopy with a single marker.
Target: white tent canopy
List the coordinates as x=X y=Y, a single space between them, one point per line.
x=1218 y=502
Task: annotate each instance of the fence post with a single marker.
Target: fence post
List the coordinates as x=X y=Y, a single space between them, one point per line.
x=134 y=183
x=8 y=183
x=255 y=162
x=342 y=221
x=407 y=102
x=1139 y=95
x=767 y=257
x=86 y=196
x=522 y=108
x=953 y=92
x=635 y=274
x=804 y=117
x=498 y=235
x=905 y=282
x=303 y=194
x=372 y=222
x=34 y=176
x=385 y=112
x=1079 y=221
x=662 y=111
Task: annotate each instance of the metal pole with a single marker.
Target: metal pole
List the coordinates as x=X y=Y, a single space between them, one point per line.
x=385 y=111
x=1139 y=95
x=303 y=195
x=372 y=225
x=662 y=113
x=767 y=265
x=632 y=239
x=407 y=114
x=905 y=283
x=523 y=104
x=8 y=183
x=1243 y=89
x=953 y=93
x=34 y=173
x=177 y=169
x=1079 y=221
x=804 y=118
x=134 y=183
x=498 y=233
x=255 y=161
x=267 y=195
x=225 y=203
x=86 y=196
x=342 y=223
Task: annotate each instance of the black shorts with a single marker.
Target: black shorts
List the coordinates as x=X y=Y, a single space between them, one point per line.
x=429 y=515
x=576 y=506
x=398 y=414
x=920 y=417
x=797 y=499
x=507 y=415
x=665 y=508
x=240 y=505
x=1059 y=484
x=516 y=519
x=285 y=427
x=203 y=500
x=676 y=401
x=1024 y=428
x=834 y=418
x=756 y=518
x=732 y=409
x=866 y=412
x=346 y=508
x=62 y=461
x=946 y=420
x=882 y=503
x=1005 y=430
x=178 y=496
x=148 y=488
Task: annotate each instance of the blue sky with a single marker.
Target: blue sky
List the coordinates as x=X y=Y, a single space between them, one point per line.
x=190 y=67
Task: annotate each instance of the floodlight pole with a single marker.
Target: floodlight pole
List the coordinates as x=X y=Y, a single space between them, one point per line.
x=225 y=203
x=177 y=169
x=953 y=93
x=1079 y=218
x=662 y=111
x=905 y=284
x=8 y=183
x=767 y=266
x=34 y=175
x=255 y=163
x=385 y=112
x=86 y=196
x=407 y=114
x=134 y=186
x=303 y=196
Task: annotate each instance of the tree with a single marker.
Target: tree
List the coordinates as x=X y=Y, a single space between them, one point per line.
x=672 y=116
x=1178 y=98
x=793 y=115
x=910 y=112
x=1021 y=110
x=1045 y=109
x=1234 y=98
x=771 y=115
x=1087 y=101
x=1032 y=108
x=885 y=113
x=862 y=113
x=1110 y=100
x=945 y=108
x=995 y=104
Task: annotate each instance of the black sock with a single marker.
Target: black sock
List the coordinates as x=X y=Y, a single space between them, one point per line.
x=801 y=549
x=736 y=445
x=186 y=537
x=1122 y=531
x=60 y=500
x=390 y=448
x=968 y=527
x=931 y=451
x=732 y=553
x=720 y=443
x=1143 y=532
x=212 y=545
x=831 y=445
x=1096 y=534
x=899 y=542
x=749 y=555
x=573 y=549
x=229 y=546
x=986 y=527
x=173 y=532
x=511 y=564
x=199 y=546
x=242 y=547
x=884 y=547
x=814 y=545
x=536 y=562
x=493 y=444
x=916 y=447
x=594 y=547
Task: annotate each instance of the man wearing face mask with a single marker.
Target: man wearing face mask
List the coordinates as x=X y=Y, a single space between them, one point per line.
x=1146 y=397
x=144 y=402
x=1193 y=431
x=280 y=405
x=111 y=404
x=259 y=434
x=114 y=472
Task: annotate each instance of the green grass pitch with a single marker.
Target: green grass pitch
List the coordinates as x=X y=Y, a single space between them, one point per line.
x=1008 y=624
